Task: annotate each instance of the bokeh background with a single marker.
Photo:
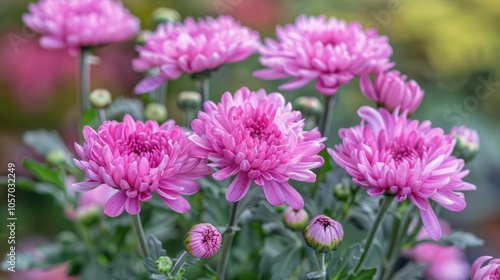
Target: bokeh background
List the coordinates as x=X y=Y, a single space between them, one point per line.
x=450 y=47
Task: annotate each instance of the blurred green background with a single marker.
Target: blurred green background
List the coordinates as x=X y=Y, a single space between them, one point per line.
x=449 y=47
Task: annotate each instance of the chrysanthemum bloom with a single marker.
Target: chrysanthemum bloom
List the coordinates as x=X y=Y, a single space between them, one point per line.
x=80 y=23
x=295 y=219
x=139 y=159
x=467 y=142
x=257 y=137
x=491 y=271
x=444 y=262
x=391 y=90
x=323 y=234
x=192 y=47
x=203 y=240
x=390 y=154
x=326 y=50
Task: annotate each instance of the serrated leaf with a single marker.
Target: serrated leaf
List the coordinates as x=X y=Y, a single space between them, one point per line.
x=123 y=106
x=43 y=141
x=43 y=172
x=156 y=247
x=411 y=271
x=365 y=274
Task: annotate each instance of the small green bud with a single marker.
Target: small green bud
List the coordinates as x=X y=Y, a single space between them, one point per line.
x=162 y=15
x=295 y=219
x=56 y=157
x=141 y=38
x=342 y=191
x=309 y=106
x=156 y=112
x=164 y=264
x=189 y=100
x=100 y=98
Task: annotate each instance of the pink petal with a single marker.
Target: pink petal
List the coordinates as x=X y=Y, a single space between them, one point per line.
x=132 y=205
x=273 y=193
x=116 y=204
x=179 y=205
x=238 y=188
x=292 y=196
x=149 y=84
x=431 y=223
x=85 y=186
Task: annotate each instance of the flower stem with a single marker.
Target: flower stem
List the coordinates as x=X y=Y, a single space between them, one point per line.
x=226 y=246
x=101 y=115
x=85 y=55
x=329 y=103
x=321 y=265
x=178 y=265
x=203 y=87
x=160 y=94
x=139 y=233
x=386 y=202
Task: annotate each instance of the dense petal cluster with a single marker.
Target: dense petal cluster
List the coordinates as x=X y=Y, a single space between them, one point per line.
x=391 y=91
x=193 y=47
x=203 y=240
x=491 y=271
x=390 y=154
x=326 y=50
x=323 y=234
x=444 y=262
x=258 y=137
x=80 y=23
x=139 y=159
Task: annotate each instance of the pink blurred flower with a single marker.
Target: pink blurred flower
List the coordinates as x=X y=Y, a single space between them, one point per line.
x=192 y=47
x=445 y=262
x=491 y=271
x=80 y=23
x=326 y=50
x=390 y=154
x=257 y=137
x=323 y=234
x=391 y=90
x=57 y=272
x=203 y=240
x=139 y=159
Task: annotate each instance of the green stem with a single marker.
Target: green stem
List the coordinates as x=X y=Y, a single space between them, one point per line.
x=321 y=265
x=226 y=246
x=203 y=87
x=329 y=103
x=178 y=265
x=160 y=94
x=386 y=202
x=101 y=115
x=139 y=233
x=85 y=55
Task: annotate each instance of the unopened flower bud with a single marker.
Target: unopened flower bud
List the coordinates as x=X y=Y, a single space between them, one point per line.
x=309 y=106
x=156 y=112
x=342 y=191
x=203 y=240
x=467 y=142
x=100 y=98
x=189 y=100
x=163 y=15
x=164 y=264
x=56 y=157
x=323 y=234
x=142 y=36
x=295 y=219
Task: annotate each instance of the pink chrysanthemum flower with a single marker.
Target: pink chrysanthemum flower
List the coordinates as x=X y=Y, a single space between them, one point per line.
x=491 y=271
x=258 y=137
x=444 y=262
x=390 y=154
x=323 y=234
x=193 y=47
x=391 y=91
x=327 y=50
x=139 y=159
x=203 y=241
x=80 y=23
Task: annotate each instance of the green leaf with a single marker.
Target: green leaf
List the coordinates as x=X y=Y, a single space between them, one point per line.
x=286 y=261
x=344 y=264
x=156 y=248
x=43 y=172
x=90 y=118
x=411 y=271
x=315 y=274
x=365 y=274
x=21 y=183
x=461 y=239
x=44 y=141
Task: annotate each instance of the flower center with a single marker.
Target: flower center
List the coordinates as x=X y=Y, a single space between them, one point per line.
x=209 y=237
x=324 y=222
x=146 y=145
